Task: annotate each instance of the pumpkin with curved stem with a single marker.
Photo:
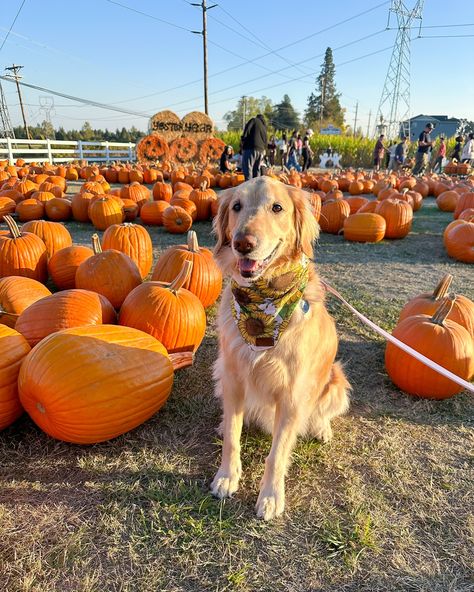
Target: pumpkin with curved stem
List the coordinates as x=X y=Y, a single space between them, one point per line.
x=22 y=253
x=462 y=311
x=439 y=339
x=54 y=235
x=205 y=279
x=16 y=294
x=398 y=216
x=105 y=212
x=333 y=214
x=170 y=313
x=152 y=212
x=176 y=220
x=13 y=350
x=459 y=241
x=110 y=273
x=202 y=198
x=364 y=228
x=64 y=263
x=134 y=241
x=120 y=378
x=162 y=191
x=62 y=310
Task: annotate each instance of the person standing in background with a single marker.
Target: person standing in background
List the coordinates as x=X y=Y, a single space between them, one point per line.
x=292 y=161
x=283 y=149
x=379 y=151
x=467 y=154
x=440 y=156
x=306 y=151
x=271 y=149
x=425 y=145
x=299 y=146
x=457 y=148
x=391 y=155
x=254 y=144
x=401 y=150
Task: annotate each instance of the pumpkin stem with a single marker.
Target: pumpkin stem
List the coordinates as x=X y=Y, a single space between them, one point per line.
x=442 y=288
x=96 y=246
x=12 y=226
x=204 y=185
x=182 y=277
x=443 y=310
x=193 y=244
x=5 y=313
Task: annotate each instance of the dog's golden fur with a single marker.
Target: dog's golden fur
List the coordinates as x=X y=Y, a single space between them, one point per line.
x=296 y=387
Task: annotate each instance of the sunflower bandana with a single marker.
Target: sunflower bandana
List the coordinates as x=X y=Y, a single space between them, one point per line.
x=263 y=310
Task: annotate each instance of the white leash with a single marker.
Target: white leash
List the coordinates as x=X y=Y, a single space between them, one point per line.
x=406 y=348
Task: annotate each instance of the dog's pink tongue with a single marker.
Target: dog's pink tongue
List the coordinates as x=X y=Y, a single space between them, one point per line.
x=248 y=265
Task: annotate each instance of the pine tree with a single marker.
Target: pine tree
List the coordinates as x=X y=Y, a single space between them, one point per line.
x=323 y=104
x=284 y=116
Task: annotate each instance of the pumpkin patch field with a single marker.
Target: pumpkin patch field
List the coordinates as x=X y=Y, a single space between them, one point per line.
x=114 y=496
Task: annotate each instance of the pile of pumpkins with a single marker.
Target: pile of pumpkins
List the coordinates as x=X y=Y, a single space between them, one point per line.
x=441 y=327
x=96 y=358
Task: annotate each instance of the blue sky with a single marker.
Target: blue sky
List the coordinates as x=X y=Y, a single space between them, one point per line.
x=98 y=50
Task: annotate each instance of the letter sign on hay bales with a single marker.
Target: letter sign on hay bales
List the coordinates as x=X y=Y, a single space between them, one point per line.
x=195 y=125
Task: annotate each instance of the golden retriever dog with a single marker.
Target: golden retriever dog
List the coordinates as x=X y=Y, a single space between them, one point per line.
x=291 y=385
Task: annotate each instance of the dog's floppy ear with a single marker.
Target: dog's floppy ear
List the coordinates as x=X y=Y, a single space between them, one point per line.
x=221 y=221
x=307 y=229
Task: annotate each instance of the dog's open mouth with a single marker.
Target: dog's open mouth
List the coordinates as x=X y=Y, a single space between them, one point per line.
x=249 y=268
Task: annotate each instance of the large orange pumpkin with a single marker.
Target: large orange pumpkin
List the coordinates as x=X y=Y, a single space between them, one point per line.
x=7 y=206
x=16 y=294
x=117 y=378
x=447 y=201
x=364 y=228
x=170 y=313
x=22 y=253
x=398 y=216
x=54 y=235
x=465 y=201
x=440 y=340
x=80 y=206
x=105 y=211
x=205 y=280
x=29 y=209
x=13 y=350
x=134 y=241
x=58 y=209
x=162 y=191
x=459 y=242
x=333 y=214
x=110 y=273
x=64 y=263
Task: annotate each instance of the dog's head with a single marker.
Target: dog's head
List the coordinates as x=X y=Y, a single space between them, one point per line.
x=261 y=224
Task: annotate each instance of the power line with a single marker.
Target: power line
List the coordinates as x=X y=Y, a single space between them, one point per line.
x=155 y=18
x=12 y=25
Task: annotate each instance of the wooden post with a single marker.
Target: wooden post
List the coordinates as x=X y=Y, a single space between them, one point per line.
x=50 y=154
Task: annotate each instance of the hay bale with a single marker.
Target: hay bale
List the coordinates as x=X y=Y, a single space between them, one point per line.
x=167 y=124
x=197 y=125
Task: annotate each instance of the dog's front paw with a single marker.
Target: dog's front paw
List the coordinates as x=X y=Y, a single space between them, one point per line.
x=323 y=432
x=225 y=483
x=270 y=502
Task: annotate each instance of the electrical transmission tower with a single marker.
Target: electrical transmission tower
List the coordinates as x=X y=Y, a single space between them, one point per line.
x=393 y=113
x=6 y=129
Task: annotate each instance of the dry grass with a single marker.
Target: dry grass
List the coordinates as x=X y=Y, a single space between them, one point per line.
x=386 y=506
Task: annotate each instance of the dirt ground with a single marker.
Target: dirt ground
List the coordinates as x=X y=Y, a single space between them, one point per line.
x=387 y=505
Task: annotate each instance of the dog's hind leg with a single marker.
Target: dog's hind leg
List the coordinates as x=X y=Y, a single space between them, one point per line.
x=226 y=480
x=333 y=401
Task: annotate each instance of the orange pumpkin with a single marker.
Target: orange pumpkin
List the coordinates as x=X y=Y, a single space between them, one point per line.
x=16 y=294
x=459 y=242
x=7 y=206
x=110 y=273
x=333 y=214
x=134 y=241
x=118 y=378
x=152 y=212
x=58 y=209
x=355 y=203
x=202 y=198
x=398 y=216
x=447 y=201
x=13 y=350
x=63 y=265
x=465 y=201
x=22 y=253
x=170 y=313
x=205 y=279
x=176 y=220
x=162 y=191
x=440 y=340
x=54 y=235
x=364 y=228
x=105 y=212
x=29 y=209
x=136 y=192
x=80 y=203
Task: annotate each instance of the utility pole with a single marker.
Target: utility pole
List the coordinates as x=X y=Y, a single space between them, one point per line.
x=204 y=8
x=244 y=111
x=6 y=129
x=16 y=77
x=355 y=119
x=368 y=124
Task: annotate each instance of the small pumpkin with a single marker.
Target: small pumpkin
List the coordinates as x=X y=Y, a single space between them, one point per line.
x=162 y=191
x=7 y=206
x=176 y=220
x=439 y=339
x=29 y=209
x=64 y=263
x=136 y=192
x=134 y=241
x=205 y=279
x=170 y=313
x=202 y=198
x=58 y=209
x=117 y=378
x=110 y=273
x=105 y=211
x=16 y=294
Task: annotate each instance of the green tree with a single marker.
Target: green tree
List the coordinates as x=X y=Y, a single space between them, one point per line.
x=248 y=107
x=284 y=116
x=47 y=130
x=87 y=133
x=323 y=104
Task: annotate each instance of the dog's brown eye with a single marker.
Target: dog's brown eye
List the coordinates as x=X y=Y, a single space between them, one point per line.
x=237 y=207
x=276 y=208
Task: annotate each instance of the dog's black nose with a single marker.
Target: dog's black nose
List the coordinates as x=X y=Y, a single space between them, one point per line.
x=245 y=243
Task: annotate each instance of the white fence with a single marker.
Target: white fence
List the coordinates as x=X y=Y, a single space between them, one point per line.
x=54 y=151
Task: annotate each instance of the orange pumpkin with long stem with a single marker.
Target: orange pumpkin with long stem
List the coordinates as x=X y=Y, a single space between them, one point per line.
x=169 y=312
x=22 y=253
